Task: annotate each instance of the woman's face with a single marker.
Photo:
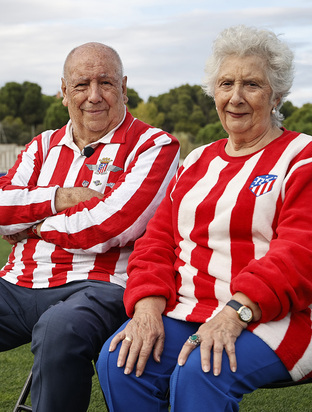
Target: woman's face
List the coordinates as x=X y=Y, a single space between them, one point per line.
x=243 y=97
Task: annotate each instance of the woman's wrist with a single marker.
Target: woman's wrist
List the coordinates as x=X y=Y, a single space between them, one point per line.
x=244 y=300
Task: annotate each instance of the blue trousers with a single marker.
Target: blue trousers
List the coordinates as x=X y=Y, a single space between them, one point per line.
x=190 y=387
x=67 y=326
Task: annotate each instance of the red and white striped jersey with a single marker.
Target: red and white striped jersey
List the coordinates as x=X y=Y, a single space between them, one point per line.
x=132 y=165
x=230 y=224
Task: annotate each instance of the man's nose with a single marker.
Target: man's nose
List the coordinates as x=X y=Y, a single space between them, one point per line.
x=95 y=93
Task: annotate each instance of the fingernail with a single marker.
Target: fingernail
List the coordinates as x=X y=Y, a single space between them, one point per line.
x=119 y=365
x=216 y=372
x=234 y=369
x=126 y=371
x=206 y=368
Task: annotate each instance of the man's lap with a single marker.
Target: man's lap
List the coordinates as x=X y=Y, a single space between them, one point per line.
x=21 y=308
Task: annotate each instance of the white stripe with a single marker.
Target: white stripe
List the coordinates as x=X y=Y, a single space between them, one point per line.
x=273 y=333
x=219 y=229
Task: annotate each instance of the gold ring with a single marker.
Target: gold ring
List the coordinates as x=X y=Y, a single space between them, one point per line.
x=128 y=339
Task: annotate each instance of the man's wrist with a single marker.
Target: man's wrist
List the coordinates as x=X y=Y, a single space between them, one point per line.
x=33 y=232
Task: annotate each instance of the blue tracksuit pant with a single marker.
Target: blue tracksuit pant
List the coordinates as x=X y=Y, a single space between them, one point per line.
x=190 y=387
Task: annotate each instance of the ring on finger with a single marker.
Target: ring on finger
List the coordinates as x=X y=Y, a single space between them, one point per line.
x=194 y=339
x=128 y=339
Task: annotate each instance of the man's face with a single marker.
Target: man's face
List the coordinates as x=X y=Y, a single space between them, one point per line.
x=94 y=92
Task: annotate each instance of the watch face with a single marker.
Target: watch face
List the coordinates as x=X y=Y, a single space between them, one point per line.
x=245 y=314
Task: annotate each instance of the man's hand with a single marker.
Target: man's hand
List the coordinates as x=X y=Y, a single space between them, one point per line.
x=143 y=335
x=12 y=239
x=71 y=196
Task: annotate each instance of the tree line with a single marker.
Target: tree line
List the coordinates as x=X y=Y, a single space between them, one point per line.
x=184 y=111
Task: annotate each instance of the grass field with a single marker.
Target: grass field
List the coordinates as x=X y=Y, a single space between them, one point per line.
x=15 y=366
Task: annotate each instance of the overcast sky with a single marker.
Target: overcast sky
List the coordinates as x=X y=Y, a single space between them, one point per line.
x=163 y=43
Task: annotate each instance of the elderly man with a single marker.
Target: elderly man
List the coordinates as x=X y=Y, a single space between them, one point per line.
x=72 y=206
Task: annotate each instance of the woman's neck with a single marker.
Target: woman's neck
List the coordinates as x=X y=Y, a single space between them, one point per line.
x=239 y=146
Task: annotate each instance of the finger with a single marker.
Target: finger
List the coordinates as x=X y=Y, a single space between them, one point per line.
x=230 y=350
x=136 y=354
x=187 y=348
x=158 y=349
x=124 y=358
x=205 y=355
x=116 y=339
x=217 y=358
x=143 y=357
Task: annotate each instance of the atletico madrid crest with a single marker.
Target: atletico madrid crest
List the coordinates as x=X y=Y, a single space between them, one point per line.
x=104 y=167
x=262 y=184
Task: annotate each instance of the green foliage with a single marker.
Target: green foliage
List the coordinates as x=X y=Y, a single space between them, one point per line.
x=31 y=107
x=148 y=113
x=56 y=115
x=134 y=98
x=11 y=96
x=287 y=109
x=211 y=133
x=23 y=108
x=15 y=130
x=300 y=120
x=183 y=111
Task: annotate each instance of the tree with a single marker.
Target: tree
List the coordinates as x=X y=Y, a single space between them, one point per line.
x=56 y=115
x=15 y=130
x=31 y=107
x=11 y=96
x=134 y=98
x=211 y=133
x=148 y=113
x=288 y=109
x=300 y=120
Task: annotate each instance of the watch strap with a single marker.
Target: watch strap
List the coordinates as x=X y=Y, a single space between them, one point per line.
x=234 y=304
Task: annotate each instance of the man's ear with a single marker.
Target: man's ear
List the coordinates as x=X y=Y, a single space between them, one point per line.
x=124 y=89
x=64 y=91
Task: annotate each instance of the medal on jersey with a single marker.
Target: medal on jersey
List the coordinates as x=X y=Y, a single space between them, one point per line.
x=104 y=167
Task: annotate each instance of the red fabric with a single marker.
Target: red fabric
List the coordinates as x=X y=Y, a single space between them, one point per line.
x=236 y=224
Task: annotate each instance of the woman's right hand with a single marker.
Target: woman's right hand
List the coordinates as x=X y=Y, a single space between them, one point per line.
x=143 y=334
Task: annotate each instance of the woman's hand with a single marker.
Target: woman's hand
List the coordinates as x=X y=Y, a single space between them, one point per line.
x=143 y=335
x=219 y=334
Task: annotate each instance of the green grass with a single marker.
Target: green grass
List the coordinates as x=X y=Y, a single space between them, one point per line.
x=16 y=363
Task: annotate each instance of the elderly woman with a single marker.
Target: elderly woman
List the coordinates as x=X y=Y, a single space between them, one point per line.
x=220 y=286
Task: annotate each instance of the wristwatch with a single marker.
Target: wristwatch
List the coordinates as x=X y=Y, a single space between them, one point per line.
x=244 y=312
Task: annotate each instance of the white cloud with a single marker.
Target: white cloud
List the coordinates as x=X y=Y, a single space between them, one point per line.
x=163 y=43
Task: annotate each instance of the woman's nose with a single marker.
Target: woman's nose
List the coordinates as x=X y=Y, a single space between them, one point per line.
x=237 y=95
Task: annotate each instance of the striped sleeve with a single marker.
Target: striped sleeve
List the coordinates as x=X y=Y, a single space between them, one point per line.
x=22 y=202
x=118 y=219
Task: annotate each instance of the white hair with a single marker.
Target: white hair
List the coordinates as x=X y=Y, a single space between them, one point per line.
x=248 y=41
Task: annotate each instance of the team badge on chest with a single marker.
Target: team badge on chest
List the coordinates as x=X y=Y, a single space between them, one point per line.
x=104 y=167
x=262 y=184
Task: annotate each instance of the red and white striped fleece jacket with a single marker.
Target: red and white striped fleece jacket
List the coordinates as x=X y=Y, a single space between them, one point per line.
x=230 y=224
x=131 y=165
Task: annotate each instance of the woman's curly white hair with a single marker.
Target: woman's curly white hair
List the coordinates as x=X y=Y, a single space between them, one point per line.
x=246 y=41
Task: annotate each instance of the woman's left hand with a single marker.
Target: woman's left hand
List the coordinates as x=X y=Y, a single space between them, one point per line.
x=219 y=334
